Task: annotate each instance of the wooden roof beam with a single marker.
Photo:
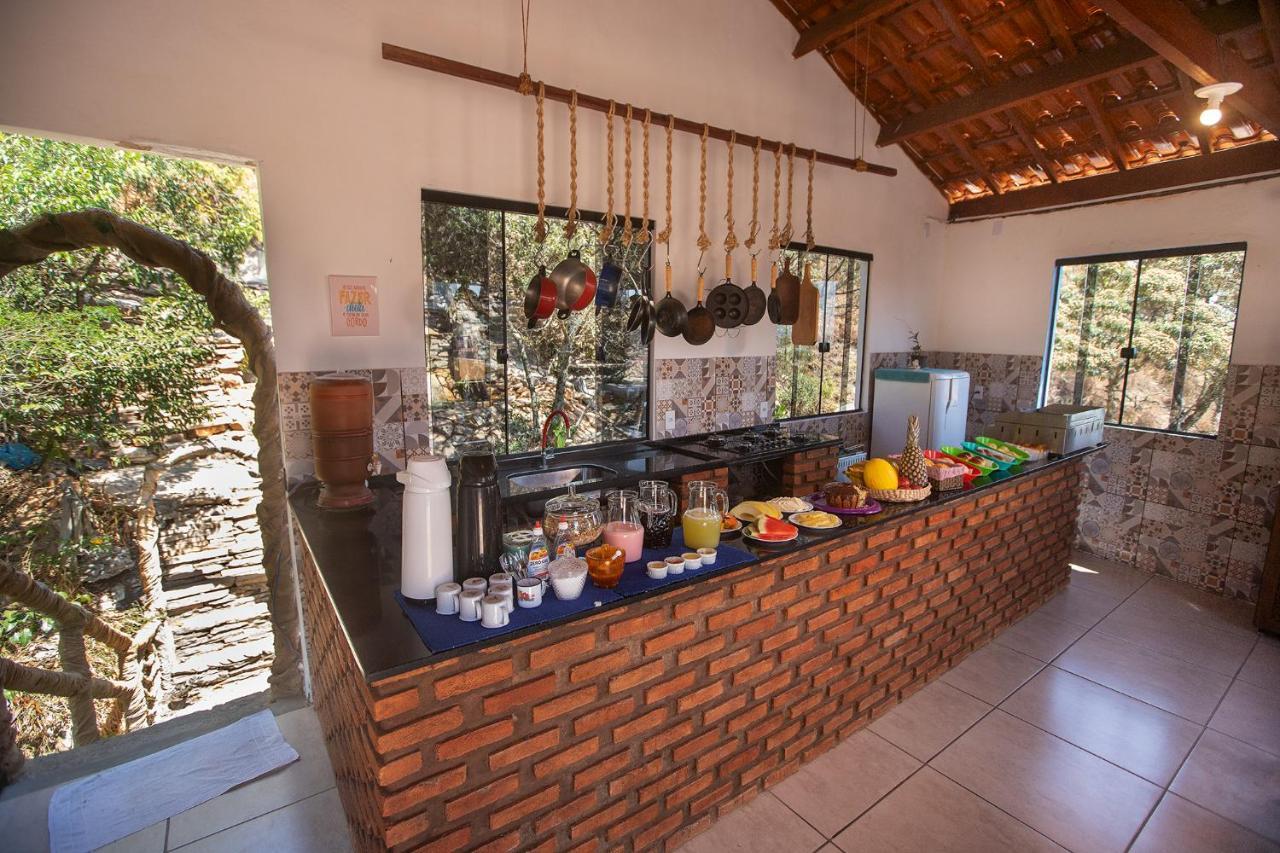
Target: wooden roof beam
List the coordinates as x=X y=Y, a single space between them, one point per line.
x=1105 y=130
x=1180 y=37
x=843 y=22
x=1234 y=164
x=1077 y=71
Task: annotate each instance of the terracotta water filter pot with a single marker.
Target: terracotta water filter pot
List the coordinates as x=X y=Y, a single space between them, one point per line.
x=342 y=438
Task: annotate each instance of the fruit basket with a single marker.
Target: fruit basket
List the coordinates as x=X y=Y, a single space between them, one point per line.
x=946 y=474
x=900 y=495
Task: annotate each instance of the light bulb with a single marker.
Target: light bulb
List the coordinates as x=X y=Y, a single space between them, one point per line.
x=1210 y=116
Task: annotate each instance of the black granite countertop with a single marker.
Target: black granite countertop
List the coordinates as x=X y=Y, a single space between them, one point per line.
x=357 y=553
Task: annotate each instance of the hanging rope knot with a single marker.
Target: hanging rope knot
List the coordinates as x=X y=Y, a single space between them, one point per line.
x=524 y=84
x=704 y=242
x=628 y=231
x=664 y=236
x=787 y=231
x=755 y=195
x=775 y=233
x=606 y=233
x=540 y=228
x=808 y=225
x=571 y=218
x=646 y=234
x=730 y=238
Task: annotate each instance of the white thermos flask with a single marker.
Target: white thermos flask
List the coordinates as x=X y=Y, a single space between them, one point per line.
x=426 y=549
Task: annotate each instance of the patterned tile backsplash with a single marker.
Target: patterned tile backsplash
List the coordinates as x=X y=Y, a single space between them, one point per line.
x=1195 y=509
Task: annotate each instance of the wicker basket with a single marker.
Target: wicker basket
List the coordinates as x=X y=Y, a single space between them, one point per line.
x=901 y=496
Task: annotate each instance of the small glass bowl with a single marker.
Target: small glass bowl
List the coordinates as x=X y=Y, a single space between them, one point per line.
x=604 y=564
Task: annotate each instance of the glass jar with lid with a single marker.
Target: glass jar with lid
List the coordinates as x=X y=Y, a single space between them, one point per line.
x=581 y=513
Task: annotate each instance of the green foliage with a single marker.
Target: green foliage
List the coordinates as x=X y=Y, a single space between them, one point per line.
x=93 y=347
x=809 y=382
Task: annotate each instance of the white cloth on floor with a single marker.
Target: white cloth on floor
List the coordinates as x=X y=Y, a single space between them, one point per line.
x=99 y=809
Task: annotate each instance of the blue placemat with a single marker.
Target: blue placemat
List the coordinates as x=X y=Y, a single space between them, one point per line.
x=635 y=581
x=441 y=633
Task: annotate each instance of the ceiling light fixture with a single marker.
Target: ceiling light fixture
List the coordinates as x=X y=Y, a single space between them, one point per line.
x=1214 y=93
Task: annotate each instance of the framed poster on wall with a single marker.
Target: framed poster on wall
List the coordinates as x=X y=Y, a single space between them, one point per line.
x=353 y=305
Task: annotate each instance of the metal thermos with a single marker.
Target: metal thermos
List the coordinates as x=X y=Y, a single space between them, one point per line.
x=479 y=544
x=426 y=548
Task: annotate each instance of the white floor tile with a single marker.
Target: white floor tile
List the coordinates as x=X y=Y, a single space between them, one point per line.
x=992 y=673
x=314 y=825
x=763 y=825
x=933 y=717
x=1232 y=779
x=1185 y=827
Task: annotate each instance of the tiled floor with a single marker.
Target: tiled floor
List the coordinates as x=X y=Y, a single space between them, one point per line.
x=295 y=808
x=1129 y=712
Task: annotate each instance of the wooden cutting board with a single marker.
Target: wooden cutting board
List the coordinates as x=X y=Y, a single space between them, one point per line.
x=804 y=332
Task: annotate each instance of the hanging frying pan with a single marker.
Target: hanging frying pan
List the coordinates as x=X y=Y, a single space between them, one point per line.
x=575 y=284
x=669 y=313
x=755 y=297
x=700 y=326
x=788 y=290
x=607 y=284
x=539 y=296
x=726 y=302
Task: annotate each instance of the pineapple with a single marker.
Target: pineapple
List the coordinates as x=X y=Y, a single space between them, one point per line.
x=911 y=464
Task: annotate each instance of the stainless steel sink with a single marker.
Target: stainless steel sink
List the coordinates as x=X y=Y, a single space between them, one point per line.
x=532 y=481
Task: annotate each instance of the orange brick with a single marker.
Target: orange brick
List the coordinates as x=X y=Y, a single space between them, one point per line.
x=670 y=687
x=639 y=725
x=603 y=716
x=699 y=697
x=612 y=662
x=408 y=829
x=723 y=663
x=520 y=695
x=700 y=650
x=756 y=627
x=566 y=757
x=481 y=797
x=428 y=788
x=525 y=806
x=668 y=736
x=629 y=825
x=393 y=706
x=474 y=739
x=563 y=704
x=401 y=768
x=637 y=625
x=636 y=675
x=607 y=815
x=562 y=651
x=711 y=715
x=602 y=769
x=753 y=586
x=420 y=730
x=705 y=601
x=559 y=817
x=473 y=679
x=659 y=644
x=732 y=616
x=523 y=748
x=802 y=567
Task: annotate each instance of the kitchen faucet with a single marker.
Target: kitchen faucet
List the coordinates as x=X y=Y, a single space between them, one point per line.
x=549 y=452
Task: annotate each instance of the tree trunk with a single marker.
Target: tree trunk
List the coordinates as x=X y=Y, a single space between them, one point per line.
x=65 y=232
x=11 y=757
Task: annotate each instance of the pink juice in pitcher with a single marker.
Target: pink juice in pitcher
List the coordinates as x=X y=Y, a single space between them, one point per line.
x=627 y=535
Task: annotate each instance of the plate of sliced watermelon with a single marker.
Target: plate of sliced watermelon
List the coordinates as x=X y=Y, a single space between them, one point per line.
x=771 y=531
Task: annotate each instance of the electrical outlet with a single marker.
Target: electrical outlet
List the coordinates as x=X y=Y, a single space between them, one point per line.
x=669 y=421
x=764 y=410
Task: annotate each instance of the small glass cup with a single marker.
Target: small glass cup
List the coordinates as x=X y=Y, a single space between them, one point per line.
x=604 y=564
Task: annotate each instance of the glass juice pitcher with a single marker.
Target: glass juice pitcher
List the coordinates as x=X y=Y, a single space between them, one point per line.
x=705 y=509
x=622 y=527
x=658 y=503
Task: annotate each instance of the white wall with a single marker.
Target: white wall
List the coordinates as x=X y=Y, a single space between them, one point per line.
x=345 y=141
x=1006 y=265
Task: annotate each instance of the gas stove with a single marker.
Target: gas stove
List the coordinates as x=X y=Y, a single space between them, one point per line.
x=753 y=441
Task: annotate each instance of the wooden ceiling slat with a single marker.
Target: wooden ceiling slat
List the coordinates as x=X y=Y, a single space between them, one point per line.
x=843 y=22
x=1246 y=161
x=1180 y=37
x=1084 y=68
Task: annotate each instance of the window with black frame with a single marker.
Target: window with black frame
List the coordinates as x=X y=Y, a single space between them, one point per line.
x=495 y=378
x=823 y=379
x=1147 y=335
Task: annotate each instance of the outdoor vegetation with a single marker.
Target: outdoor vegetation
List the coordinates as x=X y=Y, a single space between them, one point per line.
x=100 y=360
x=1177 y=312
x=494 y=378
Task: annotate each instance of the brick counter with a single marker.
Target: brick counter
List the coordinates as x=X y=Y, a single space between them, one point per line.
x=639 y=726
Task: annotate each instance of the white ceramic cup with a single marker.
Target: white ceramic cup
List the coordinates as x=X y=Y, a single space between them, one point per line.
x=469 y=605
x=506 y=591
x=675 y=565
x=498 y=577
x=447 y=598
x=657 y=569
x=708 y=556
x=477 y=584
x=493 y=611
x=529 y=592
x=692 y=560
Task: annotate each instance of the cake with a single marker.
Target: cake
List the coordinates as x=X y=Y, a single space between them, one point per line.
x=845 y=495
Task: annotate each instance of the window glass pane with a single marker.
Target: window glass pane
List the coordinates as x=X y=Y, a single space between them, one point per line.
x=588 y=365
x=462 y=269
x=842 y=313
x=1182 y=334
x=1095 y=307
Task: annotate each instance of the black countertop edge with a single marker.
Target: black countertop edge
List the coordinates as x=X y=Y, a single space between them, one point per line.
x=357 y=554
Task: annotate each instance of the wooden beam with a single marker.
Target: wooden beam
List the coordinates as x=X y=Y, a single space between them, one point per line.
x=841 y=23
x=1269 y=12
x=475 y=73
x=1108 y=134
x=957 y=139
x=1082 y=69
x=1174 y=32
x=1236 y=163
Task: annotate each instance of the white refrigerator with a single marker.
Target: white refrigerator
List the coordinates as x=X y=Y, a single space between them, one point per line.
x=939 y=398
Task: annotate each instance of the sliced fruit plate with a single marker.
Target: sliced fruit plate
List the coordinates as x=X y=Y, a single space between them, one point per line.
x=771 y=531
x=749 y=512
x=815 y=519
x=730 y=526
